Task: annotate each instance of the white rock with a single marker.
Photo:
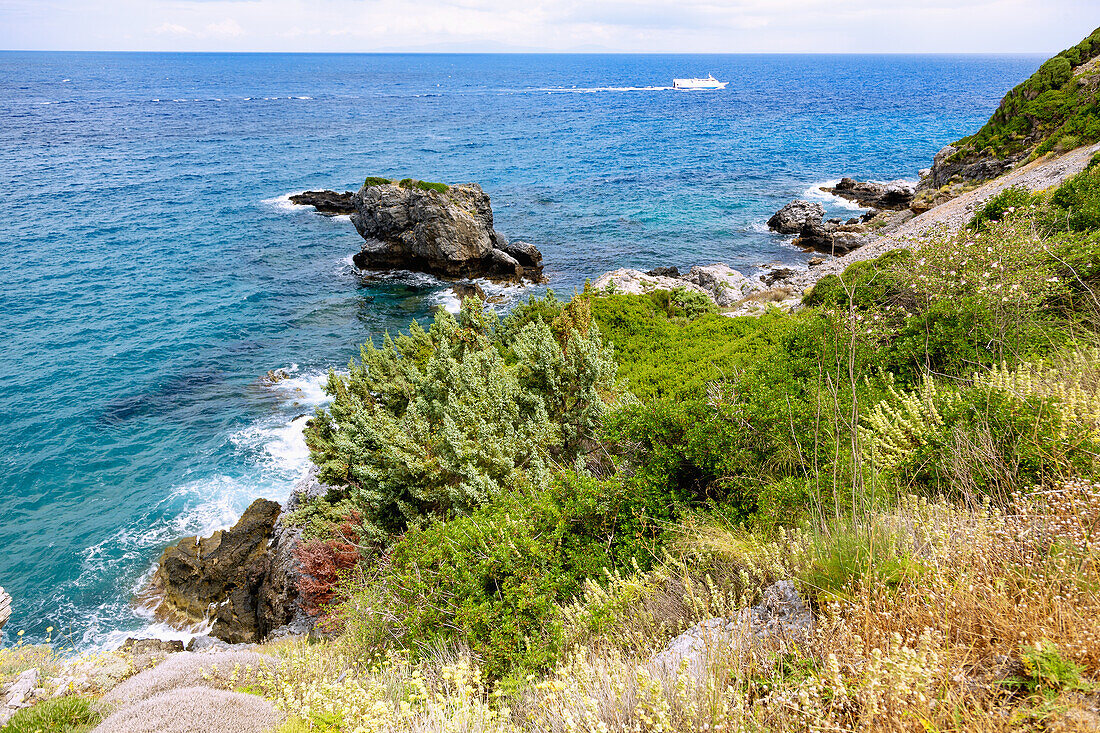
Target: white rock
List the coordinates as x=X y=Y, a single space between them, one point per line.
x=636 y=282
x=724 y=284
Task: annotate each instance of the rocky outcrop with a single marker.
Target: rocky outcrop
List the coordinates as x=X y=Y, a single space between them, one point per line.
x=832 y=237
x=445 y=233
x=5 y=607
x=636 y=282
x=781 y=618
x=329 y=203
x=950 y=167
x=890 y=196
x=722 y=283
x=220 y=575
x=244 y=578
x=792 y=217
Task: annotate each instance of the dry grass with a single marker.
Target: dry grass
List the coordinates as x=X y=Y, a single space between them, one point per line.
x=995 y=628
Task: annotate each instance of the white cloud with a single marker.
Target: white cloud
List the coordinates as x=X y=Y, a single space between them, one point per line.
x=227 y=28
x=557 y=25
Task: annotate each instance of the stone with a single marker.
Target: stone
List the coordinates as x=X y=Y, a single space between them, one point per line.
x=5 y=607
x=771 y=277
x=635 y=282
x=463 y=291
x=780 y=619
x=448 y=234
x=815 y=261
x=664 y=272
x=274 y=376
x=725 y=285
x=145 y=653
x=832 y=237
x=948 y=168
x=329 y=203
x=791 y=218
x=220 y=575
x=893 y=196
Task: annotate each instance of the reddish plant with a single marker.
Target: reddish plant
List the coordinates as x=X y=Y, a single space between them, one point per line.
x=323 y=562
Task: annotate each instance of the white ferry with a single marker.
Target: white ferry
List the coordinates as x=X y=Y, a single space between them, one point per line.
x=709 y=83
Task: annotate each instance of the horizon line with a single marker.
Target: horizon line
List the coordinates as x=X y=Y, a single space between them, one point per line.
x=545 y=53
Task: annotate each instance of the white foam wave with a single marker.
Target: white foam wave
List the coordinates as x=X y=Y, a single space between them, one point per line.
x=499 y=296
x=814 y=193
x=285 y=205
x=591 y=90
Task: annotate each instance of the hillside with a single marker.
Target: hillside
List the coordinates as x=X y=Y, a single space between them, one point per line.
x=1056 y=109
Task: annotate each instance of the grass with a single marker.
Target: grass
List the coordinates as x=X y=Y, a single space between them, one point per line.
x=60 y=715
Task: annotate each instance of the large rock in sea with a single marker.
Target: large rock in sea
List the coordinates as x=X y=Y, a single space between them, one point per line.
x=448 y=233
x=330 y=203
x=791 y=218
x=894 y=196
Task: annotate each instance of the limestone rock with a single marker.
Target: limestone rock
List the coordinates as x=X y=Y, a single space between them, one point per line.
x=781 y=617
x=664 y=271
x=5 y=607
x=330 y=203
x=949 y=168
x=635 y=282
x=220 y=573
x=832 y=237
x=791 y=218
x=724 y=284
x=893 y=196
x=449 y=234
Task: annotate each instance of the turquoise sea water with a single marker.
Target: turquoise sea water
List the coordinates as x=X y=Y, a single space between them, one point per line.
x=151 y=269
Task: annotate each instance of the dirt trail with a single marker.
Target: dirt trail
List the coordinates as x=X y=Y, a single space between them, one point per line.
x=952 y=215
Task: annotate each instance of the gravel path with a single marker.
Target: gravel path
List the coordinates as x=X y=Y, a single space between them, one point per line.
x=954 y=214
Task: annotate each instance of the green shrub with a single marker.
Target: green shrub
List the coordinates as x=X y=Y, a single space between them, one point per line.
x=1045 y=670
x=663 y=353
x=376 y=181
x=494 y=580
x=867 y=284
x=1076 y=202
x=70 y=714
x=435 y=422
x=849 y=553
x=1007 y=201
x=423 y=185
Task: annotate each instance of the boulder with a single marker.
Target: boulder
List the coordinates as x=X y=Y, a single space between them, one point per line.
x=725 y=285
x=463 y=291
x=791 y=218
x=636 y=282
x=5 y=607
x=664 y=272
x=445 y=233
x=329 y=203
x=781 y=618
x=832 y=237
x=894 y=196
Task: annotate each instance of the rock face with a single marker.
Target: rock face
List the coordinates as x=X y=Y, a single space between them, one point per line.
x=330 y=203
x=245 y=578
x=890 y=196
x=636 y=282
x=781 y=617
x=449 y=234
x=792 y=217
x=5 y=607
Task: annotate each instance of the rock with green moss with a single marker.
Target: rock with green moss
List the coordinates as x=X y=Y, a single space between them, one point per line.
x=439 y=229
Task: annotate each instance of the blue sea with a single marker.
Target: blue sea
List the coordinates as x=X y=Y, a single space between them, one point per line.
x=152 y=269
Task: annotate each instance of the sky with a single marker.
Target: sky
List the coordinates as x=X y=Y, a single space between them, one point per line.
x=655 y=26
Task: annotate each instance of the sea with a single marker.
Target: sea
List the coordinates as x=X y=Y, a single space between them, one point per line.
x=152 y=268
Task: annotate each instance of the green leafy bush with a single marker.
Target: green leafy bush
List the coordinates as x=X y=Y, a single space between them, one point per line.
x=1043 y=111
x=1005 y=202
x=436 y=422
x=69 y=714
x=664 y=353
x=376 y=181
x=1045 y=670
x=494 y=580
x=423 y=185
x=1076 y=202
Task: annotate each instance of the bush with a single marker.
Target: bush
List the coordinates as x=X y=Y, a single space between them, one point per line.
x=423 y=185
x=376 y=181
x=493 y=581
x=1077 y=201
x=662 y=352
x=1005 y=202
x=436 y=422
x=70 y=714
